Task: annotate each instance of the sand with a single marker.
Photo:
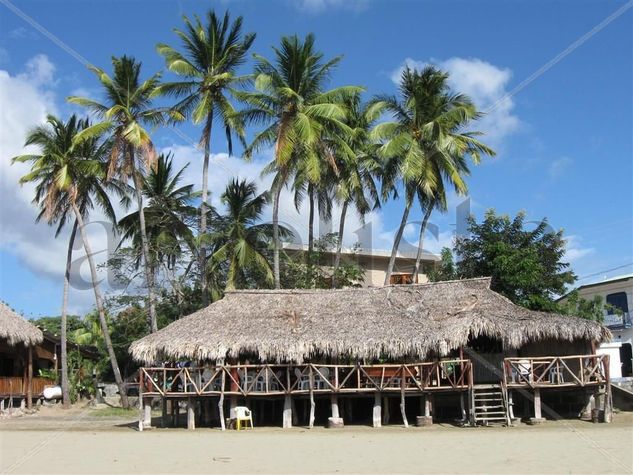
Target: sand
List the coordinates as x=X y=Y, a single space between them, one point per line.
x=78 y=442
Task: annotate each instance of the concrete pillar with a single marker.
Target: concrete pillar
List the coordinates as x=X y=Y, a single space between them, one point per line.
x=288 y=412
x=377 y=414
x=191 y=413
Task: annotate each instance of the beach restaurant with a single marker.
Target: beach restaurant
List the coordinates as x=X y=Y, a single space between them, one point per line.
x=402 y=354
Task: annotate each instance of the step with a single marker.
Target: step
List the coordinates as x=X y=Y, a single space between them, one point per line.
x=490 y=407
x=490 y=414
x=488 y=419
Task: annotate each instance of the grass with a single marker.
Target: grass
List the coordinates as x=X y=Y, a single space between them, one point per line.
x=114 y=412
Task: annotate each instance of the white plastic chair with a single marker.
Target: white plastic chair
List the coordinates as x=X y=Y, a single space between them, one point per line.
x=243 y=415
x=304 y=380
x=321 y=381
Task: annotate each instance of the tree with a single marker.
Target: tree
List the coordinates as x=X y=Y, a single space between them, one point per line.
x=168 y=215
x=211 y=57
x=446 y=268
x=357 y=166
x=291 y=101
x=577 y=306
x=240 y=241
x=125 y=114
x=525 y=264
x=427 y=144
x=70 y=176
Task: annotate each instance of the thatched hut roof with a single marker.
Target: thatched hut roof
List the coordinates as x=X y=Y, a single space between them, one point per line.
x=16 y=330
x=293 y=325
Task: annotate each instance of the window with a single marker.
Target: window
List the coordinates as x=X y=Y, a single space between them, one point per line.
x=618 y=300
x=400 y=279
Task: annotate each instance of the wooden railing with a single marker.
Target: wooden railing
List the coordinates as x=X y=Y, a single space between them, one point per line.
x=16 y=385
x=278 y=379
x=556 y=371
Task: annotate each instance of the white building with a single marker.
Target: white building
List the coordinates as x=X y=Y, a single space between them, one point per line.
x=618 y=293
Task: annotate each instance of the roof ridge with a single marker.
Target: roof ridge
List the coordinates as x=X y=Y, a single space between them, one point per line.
x=353 y=289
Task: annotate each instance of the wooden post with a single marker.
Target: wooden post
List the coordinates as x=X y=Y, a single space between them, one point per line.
x=191 y=413
x=147 y=413
x=312 y=404
x=287 y=414
x=29 y=387
x=427 y=405
x=510 y=405
x=141 y=417
x=402 y=401
x=163 y=412
x=334 y=404
x=537 y=404
x=221 y=402
x=462 y=406
x=377 y=410
x=608 y=402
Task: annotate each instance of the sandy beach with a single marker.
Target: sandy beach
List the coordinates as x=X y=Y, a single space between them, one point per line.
x=80 y=442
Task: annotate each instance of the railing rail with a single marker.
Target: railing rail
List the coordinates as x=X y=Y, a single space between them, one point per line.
x=556 y=371
x=278 y=379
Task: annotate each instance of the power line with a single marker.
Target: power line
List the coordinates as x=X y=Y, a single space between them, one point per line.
x=605 y=271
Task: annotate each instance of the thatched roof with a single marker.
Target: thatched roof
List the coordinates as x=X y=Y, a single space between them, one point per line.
x=401 y=320
x=16 y=330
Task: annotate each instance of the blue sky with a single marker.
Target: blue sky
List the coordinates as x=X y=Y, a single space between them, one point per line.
x=564 y=140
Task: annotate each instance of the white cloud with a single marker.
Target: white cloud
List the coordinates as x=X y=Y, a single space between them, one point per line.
x=574 y=250
x=25 y=100
x=485 y=83
x=318 y=6
x=558 y=166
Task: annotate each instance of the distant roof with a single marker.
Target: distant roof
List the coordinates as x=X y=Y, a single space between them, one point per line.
x=426 y=256
x=16 y=330
x=398 y=321
x=610 y=280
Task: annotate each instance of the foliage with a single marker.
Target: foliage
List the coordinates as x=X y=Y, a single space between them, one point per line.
x=317 y=272
x=525 y=265
x=53 y=324
x=577 y=306
x=446 y=269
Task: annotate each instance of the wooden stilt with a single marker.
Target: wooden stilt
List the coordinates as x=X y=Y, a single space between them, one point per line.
x=462 y=406
x=295 y=413
x=141 y=416
x=537 y=404
x=29 y=385
x=335 y=421
x=377 y=416
x=221 y=403
x=288 y=413
x=312 y=404
x=176 y=412
x=191 y=413
x=403 y=409
x=427 y=405
x=147 y=412
x=334 y=404
x=511 y=405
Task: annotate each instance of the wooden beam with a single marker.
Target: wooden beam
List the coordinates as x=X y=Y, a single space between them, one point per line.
x=377 y=422
x=287 y=414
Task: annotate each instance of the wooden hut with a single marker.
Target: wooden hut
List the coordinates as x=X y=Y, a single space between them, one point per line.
x=402 y=341
x=18 y=338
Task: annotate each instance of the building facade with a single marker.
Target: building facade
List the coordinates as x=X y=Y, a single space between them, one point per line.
x=617 y=293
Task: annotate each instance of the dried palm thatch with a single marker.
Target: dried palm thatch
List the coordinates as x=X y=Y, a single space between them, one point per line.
x=393 y=321
x=16 y=330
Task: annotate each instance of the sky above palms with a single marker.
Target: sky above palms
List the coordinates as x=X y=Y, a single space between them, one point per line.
x=555 y=78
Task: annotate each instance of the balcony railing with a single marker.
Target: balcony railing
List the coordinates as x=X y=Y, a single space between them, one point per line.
x=280 y=379
x=559 y=371
x=618 y=320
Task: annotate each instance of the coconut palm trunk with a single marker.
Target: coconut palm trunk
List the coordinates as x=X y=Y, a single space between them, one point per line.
x=396 y=241
x=149 y=277
x=202 y=253
x=276 y=273
x=339 y=244
x=99 y=302
x=418 y=257
x=64 y=323
x=310 y=223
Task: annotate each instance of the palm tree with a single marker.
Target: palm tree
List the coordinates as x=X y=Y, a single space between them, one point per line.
x=355 y=184
x=125 y=114
x=71 y=177
x=212 y=54
x=169 y=214
x=426 y=144
x=291 y=101
x=240 y=240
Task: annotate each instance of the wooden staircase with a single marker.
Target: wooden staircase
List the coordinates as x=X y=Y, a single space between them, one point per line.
x=489 y=404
